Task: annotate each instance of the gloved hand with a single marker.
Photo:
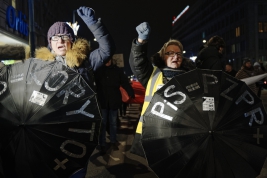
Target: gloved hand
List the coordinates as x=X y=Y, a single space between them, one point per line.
x=143 y=31
x=87 y=14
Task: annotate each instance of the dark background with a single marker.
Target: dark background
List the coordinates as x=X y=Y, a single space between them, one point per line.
x=122 y=16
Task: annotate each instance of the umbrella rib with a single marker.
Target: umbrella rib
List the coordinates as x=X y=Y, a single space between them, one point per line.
x=195 y=108
x=39 y=108
x=25 y=100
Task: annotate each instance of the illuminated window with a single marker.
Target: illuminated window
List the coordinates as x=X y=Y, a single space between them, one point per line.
x=233 y=48
x=237 y=31
x=265 y=27
x=14 y=3
x=260 y=27
x=263 y=58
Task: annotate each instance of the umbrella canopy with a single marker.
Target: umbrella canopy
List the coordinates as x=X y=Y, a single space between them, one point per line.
x=49 y=120
x=205 y=124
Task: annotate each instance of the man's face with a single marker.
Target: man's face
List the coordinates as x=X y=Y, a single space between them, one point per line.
x=59 y=45
x=248 y=64
x=256 y=67
x=228 y=68
x=221 y=50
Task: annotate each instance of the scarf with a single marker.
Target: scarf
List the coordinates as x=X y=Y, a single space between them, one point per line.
x=169 y=73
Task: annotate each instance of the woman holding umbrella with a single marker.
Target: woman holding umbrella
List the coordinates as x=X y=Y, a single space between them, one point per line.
x=164 y=65
x=56 y=88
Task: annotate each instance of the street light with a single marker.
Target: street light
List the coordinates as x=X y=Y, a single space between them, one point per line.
x=74 y=25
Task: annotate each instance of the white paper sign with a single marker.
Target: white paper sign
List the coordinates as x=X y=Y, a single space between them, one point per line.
x=208 y=104
x=38 y=98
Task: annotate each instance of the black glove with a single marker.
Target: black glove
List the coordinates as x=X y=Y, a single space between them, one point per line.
x=87 y=14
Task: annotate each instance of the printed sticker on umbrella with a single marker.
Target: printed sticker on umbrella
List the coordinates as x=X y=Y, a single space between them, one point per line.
x=49 y=120
x=38 y=98
x=205 y=123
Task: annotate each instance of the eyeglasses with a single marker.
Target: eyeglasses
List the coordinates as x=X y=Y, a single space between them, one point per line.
x=63 y=37
x=172 y=54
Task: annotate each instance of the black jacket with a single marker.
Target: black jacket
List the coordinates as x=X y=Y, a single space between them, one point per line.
x=108 y=82
x=210 y=58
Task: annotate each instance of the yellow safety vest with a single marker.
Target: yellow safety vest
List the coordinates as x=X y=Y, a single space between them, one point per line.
x=154 y=83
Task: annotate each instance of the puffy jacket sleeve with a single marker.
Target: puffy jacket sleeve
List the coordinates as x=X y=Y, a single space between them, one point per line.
x=106 y=49
x=139 y=63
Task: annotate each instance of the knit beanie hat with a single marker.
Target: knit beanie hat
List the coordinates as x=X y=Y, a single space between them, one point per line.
x=257 y=64
x=60 y=28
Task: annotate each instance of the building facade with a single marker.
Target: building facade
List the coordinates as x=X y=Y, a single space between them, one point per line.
x=14 y=20
x=241 y=23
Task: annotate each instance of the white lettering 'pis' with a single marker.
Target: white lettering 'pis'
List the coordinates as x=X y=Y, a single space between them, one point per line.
x=160 y=113
x=174 y=93
x=4 y=88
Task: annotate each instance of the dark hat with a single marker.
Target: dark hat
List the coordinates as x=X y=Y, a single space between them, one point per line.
x=245 y=60
x=216 y=41
x=229 y=63
x=60 y=28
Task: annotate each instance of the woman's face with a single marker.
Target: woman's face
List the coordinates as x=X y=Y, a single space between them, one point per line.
x=173 y=56
x=60 y=46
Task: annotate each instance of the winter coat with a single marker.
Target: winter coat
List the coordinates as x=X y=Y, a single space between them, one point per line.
x=1 y=65
x=246 y=73
x=78 y=57
x=108 y=82
x=209 y=58
x=232 y=73
x=142 y=67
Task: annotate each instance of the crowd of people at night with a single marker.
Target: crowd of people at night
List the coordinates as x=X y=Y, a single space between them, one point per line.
x=152 y=72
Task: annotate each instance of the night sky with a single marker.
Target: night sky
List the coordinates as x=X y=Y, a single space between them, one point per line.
x=122 y=16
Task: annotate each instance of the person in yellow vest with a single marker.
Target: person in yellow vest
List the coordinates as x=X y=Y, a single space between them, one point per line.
x=154 y=73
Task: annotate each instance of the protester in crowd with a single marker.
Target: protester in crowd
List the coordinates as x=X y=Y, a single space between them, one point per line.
x=210 y=56
x=1 y=64
x=229 y=69
x=258 y=70
x=162 y=66
x=246 y=71
x=108 y=81
x=74 y=53
x=71 y=52
x=262 y=66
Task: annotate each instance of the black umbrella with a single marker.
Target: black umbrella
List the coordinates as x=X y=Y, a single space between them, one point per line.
x=49 y=120
x=205 y=124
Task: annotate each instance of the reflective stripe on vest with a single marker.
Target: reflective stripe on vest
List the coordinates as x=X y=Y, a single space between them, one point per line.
x=151 y=82
x=154 y=81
